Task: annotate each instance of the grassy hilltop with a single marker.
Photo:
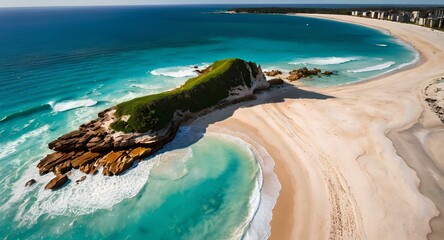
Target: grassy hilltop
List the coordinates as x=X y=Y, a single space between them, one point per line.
x=154 y=112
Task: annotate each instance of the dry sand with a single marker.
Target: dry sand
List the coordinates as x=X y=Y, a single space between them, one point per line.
x=350 y=158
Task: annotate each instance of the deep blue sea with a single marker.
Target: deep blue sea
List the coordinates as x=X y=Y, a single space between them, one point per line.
x=60 y=66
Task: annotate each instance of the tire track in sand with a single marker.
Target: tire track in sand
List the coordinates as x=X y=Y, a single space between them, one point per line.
x=344 y=217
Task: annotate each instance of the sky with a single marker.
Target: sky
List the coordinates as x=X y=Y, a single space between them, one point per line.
x=29 y=3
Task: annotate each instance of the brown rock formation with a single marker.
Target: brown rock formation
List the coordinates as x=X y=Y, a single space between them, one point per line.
x=273 y=73
x=57 y=182
x=303 y=73
x=328 y=73
x=276 y=81
x=30 y=183
x=63 y=168
x=292 y=78
x=81 y=179
x=95 y=145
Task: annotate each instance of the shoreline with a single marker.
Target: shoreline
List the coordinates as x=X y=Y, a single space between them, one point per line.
x=353 y=184
x=267 y=187
x=419 y=59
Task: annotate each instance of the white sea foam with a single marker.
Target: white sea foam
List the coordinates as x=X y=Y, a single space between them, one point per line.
x=324 y=61
x=95 y=192
x=270 y=68
x=80 y=116
x=147 y=86
x=10 y=147
x=64 y=106
x=179 y=71
x=381 y=45
x=102 y=192
x=373 y=68
x=172 y=165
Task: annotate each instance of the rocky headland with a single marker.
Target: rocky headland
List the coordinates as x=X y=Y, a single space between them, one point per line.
x=138 y=128
x=297 y=74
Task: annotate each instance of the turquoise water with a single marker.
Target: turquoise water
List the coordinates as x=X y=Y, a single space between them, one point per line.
x=60 y=66
x=187 y=192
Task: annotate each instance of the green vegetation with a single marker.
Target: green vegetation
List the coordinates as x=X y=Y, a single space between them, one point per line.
x=153 y=112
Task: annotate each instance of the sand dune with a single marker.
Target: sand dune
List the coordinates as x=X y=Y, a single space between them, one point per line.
x=342 y=177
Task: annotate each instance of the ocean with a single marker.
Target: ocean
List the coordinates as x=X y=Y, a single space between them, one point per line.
x=60 y=66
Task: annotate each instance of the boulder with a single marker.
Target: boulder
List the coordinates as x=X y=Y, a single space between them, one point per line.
x=292 y=78
x=57 y=182
x=85 y=158
x=30 y=183
x=107 y=172
x=49 y=159
x=101 y=147
x=63 y=168
x=47 y=164
x=139 y=152
x=273 y=73
x=81 y=179
x=122 y=165
x=85 y=168
x=110 y=158
x=276 y=81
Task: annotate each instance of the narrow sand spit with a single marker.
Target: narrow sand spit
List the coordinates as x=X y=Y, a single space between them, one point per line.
x=342 y=177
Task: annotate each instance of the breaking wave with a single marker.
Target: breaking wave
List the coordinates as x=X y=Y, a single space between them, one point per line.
x=68 y=105
x=25 y=112
x=373 y=68
x=180 y=71
x=324 y=61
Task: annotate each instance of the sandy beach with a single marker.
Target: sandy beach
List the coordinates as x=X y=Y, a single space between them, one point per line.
x=361 y=161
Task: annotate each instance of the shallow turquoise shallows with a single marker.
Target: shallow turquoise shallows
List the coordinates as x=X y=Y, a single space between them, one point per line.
x=60 y=66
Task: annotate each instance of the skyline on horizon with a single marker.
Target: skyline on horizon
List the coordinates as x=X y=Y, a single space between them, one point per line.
x=43 y=3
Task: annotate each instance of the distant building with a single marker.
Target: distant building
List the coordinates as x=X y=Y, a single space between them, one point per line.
x=434 y=18
x=431 y=15
x=422 y=21
x=382 y=15
x=393 y=17
x=432 y=22
x=415 y=14
x=374 y=14
x=404 y=17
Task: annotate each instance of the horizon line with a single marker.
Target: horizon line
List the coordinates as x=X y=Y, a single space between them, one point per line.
x=231 y=4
